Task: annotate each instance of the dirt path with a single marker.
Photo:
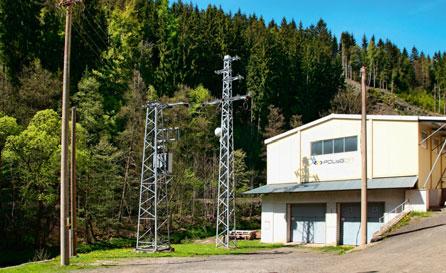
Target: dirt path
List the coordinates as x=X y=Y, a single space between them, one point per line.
x=420 y=248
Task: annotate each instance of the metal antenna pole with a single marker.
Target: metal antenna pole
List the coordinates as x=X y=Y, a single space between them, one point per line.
x=226 y=182
x=153 y=230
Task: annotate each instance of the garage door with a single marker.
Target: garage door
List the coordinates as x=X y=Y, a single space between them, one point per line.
x=308 y=223
x=351 y=222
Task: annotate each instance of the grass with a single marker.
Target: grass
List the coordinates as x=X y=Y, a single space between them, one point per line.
x=112 y=243
x=103 y=257
x=406 y=219
x=340 y=250
x=192 y=233
x=420 y=214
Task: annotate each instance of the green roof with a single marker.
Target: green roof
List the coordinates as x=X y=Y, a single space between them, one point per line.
x=400 y=182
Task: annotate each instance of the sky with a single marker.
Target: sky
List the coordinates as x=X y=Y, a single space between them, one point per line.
x=420 y=23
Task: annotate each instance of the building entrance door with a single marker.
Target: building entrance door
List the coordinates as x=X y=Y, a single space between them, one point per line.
x=308 y=223
x=351 y=222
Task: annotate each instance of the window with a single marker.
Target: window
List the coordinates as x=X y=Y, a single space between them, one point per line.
x=316 y=148
x=328 y=146
x=351 y=144
x=337 y=145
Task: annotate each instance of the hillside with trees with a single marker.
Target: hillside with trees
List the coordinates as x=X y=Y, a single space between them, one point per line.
x=127 y=52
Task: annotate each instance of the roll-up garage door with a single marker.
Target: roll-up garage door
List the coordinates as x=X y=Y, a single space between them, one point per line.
x=308 y=223
x=351 y=222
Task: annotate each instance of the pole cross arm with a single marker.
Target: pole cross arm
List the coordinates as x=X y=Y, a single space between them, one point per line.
x=212 y=102
x=218 y=101
x=238 y=97
x=229 y=58
x=171 y=105
x=156 y=104
x=221 y=71
x=238 y=77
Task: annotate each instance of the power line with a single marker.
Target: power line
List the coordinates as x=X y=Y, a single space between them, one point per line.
x=86 y=37
x=96 y=50
x=97 y=22
x=92 y=26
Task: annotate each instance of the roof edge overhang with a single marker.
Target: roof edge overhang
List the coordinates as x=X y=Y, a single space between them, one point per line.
x=400 y=182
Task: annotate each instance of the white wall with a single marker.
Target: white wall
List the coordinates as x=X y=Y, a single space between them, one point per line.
x=267 y=224
x=331 y=224
x=274 y=210
x=392 y=151
x=395 y=148
x=273 y=222
x=283 y=160
x=417 y=199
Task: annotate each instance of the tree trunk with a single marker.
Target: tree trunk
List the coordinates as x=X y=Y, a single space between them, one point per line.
x=194 y=193
x=124 y=186
x=89 y=233
x=38 y=227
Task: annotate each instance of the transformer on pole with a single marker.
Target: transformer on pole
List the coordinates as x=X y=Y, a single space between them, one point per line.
x=226 y=181
x=153 y=230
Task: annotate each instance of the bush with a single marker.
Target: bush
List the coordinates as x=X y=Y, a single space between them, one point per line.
x=112 y=243
x=192 y=233
x=420 y=98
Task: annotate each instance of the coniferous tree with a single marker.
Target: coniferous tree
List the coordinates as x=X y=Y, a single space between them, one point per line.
x=126 y=52
x=19 y=32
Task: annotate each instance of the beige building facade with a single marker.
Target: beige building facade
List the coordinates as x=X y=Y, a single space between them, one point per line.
x=313 y=176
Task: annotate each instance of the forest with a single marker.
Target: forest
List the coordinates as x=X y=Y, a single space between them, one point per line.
x=128 y=52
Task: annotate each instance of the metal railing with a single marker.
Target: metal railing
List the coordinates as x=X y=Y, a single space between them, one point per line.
x=398 y=209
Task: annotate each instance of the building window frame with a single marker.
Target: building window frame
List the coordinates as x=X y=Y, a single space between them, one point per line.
x=332 y=145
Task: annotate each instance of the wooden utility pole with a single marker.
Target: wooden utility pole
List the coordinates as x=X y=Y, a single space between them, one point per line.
x=364 y=158
x=64 y=181
x=73 y=222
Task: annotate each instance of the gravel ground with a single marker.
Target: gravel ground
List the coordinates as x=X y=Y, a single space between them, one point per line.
x=419 y=247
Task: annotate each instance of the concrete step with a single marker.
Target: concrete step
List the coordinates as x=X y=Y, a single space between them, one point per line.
x=380 y=234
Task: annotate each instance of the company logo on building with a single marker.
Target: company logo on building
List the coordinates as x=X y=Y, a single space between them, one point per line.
x=317 y=162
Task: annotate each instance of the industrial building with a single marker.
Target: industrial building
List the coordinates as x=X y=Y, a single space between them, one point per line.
x=313 y=185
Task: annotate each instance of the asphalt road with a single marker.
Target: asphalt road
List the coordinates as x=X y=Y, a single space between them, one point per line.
x=419 y=247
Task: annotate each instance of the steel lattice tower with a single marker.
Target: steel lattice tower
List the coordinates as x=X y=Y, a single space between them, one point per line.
x=226 y=181
x=153 y=231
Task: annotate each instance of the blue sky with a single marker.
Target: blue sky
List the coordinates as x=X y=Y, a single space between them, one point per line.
x=406 y=23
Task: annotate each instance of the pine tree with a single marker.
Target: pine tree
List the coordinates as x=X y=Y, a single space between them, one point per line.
x=19 y=32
